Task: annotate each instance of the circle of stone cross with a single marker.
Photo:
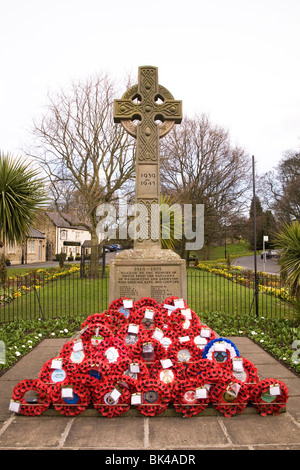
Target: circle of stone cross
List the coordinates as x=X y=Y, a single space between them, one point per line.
x=147 y=102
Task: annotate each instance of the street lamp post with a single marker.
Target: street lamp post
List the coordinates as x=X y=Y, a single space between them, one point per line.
x=265 y=239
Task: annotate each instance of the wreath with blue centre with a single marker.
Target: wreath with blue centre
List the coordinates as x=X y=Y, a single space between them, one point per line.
x=212 y=352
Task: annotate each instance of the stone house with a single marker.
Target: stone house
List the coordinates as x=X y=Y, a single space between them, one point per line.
x=66 y=236
x=31 y=251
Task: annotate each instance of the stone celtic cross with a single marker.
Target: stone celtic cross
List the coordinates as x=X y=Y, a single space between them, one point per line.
x=148 y=112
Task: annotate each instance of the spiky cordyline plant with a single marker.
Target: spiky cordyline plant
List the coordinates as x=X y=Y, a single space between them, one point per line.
x=288 y=240
x=171 y=222
x=22 y=194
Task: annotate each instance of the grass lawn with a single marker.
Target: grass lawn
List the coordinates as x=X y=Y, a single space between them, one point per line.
x=67 y=296
x=218 y=252
x=71 y=295
x=208 y=292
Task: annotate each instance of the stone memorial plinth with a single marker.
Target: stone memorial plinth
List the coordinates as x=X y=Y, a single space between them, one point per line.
x=148 y=112
x=155 y=273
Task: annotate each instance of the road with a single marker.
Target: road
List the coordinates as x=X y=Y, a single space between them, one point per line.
x=247 y=262
x=48 y=264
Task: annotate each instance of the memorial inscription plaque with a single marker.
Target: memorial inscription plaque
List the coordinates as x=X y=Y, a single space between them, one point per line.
x=151 y=279
x=148 y=112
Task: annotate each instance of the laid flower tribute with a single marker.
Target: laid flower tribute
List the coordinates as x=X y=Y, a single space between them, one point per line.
x=148 y=356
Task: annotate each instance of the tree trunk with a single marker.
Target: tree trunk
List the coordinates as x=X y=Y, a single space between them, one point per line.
x=94 y=260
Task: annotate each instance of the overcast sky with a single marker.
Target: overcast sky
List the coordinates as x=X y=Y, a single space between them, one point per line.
x=235 y=60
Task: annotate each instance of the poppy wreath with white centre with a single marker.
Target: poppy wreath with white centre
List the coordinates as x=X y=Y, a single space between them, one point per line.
x=199 y=340
x=229 y=398
x=264 y=402
x=184 y=351
x=39 y=404
x=167 y=375
x=74 y=405
x=104 y=401
x=248 y=373
x=169 y=333
x=155 y=396
x=75 y=358
x=51 y=375
x=184 y=397
x=111 y=350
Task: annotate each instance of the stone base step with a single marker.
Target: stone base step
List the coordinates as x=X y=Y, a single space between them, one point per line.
x=170 y=412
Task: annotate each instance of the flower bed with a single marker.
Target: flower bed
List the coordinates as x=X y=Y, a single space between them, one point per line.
x=26 y=283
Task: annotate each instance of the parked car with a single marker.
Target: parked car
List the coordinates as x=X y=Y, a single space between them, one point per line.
x=115 y=247
x=270 y=254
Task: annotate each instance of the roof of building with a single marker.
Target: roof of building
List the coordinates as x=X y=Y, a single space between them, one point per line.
x=34 y=233
x=59 y=220
x=88 y=243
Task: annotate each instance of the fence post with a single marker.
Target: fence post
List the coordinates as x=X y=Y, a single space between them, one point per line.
x=254 y=228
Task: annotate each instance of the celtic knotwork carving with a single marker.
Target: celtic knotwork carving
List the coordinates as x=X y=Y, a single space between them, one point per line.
x=164 y=127
x=148 y=227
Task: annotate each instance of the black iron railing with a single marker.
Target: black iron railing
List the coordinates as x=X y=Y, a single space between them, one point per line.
x=67 y=293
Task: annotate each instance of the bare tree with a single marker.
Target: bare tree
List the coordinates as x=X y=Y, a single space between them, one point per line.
x=82 y=151
x=280 y=188
x=200 y=166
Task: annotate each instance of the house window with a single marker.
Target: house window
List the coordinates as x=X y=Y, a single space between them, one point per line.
x=63 y=234
x=31 y=246
x=11 y=248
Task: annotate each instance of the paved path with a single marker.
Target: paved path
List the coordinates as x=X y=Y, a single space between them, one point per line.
x=91 y=431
